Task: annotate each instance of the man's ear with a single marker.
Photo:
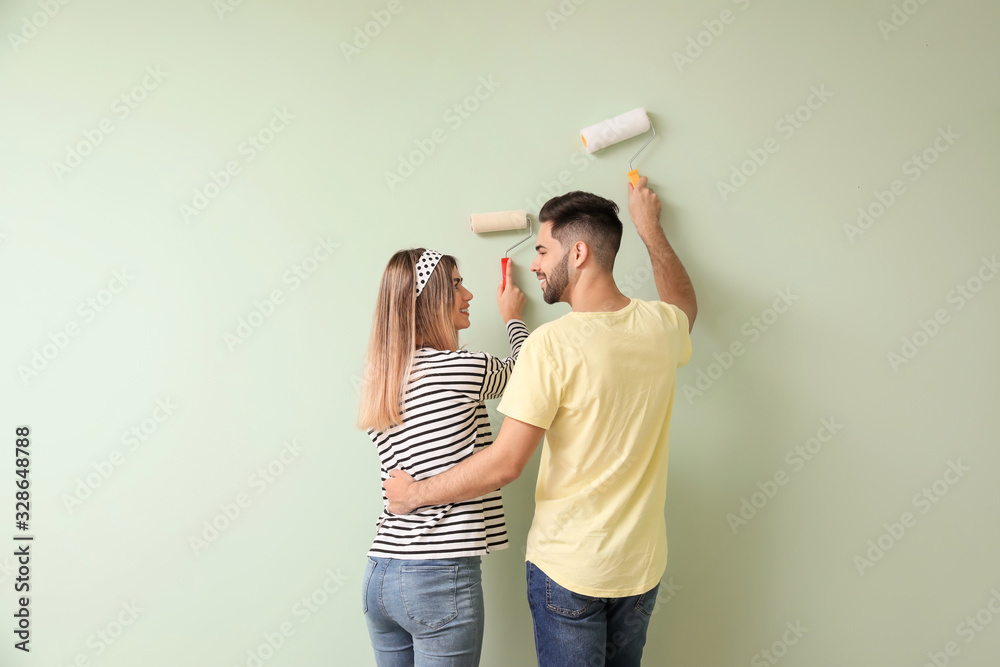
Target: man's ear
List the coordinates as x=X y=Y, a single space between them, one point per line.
x=579 y=254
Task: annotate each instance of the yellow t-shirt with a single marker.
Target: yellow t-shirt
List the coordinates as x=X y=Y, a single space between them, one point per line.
x=602 y=385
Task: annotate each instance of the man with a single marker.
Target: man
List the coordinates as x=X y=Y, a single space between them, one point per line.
x=599 y=384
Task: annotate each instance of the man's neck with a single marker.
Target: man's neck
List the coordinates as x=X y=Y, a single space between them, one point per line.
x=597 y=295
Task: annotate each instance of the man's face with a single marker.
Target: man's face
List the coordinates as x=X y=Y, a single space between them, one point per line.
x=551 y=265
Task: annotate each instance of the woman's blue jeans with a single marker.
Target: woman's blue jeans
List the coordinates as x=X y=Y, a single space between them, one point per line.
x=425 y=613
x=574 y=630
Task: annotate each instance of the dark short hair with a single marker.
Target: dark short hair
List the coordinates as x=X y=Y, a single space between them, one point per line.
x=583 y=216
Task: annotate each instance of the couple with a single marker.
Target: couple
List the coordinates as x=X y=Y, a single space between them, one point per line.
x=597 y=383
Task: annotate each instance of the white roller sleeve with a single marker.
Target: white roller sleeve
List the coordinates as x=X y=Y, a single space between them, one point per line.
x=495 y=222
x=613 y=130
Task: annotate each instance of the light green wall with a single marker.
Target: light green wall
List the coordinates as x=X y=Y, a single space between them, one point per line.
x=161 y=337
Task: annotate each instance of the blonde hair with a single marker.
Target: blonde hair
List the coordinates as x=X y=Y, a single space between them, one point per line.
x=401 y=319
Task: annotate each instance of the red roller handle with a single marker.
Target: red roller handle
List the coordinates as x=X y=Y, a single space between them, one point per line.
x=503 y=271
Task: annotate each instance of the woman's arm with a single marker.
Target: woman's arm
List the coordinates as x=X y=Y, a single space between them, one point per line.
x=510 y=302
x=498 y=370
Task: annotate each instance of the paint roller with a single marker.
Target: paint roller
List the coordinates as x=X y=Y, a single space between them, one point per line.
x=502 y=221
x=625 y=126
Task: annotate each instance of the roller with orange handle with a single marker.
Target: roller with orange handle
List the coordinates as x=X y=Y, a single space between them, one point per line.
x=624 y=126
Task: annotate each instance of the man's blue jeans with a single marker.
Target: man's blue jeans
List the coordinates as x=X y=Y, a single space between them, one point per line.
x=574 y=630
x=424 y=613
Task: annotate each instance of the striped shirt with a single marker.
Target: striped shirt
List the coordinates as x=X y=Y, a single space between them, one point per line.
x=444 y=422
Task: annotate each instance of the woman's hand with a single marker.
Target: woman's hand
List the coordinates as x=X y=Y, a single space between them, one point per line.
x=511 y=300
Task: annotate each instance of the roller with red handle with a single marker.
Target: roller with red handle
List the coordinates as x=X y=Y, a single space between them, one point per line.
x=502 y=221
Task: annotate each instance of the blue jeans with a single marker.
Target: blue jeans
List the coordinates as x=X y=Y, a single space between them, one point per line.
x=574 y=630
x=424 y=613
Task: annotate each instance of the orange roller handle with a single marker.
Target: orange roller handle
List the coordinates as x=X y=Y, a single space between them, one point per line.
x=634 y=177
x=503 y=271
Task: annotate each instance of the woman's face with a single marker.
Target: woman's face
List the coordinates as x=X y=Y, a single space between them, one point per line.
x=462 y=299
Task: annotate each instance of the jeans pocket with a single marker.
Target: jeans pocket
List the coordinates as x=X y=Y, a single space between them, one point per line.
x=369 y=571
x=646 y=602
x=564 y=601
x=428 y=593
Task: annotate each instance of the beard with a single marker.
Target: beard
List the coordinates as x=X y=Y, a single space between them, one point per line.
x=556 y=281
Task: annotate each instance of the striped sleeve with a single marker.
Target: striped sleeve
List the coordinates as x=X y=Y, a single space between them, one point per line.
x=497 y=371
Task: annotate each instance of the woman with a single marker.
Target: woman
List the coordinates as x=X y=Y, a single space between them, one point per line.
x=422 y=405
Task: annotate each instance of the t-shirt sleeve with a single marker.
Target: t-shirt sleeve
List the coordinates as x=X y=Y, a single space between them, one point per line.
x=682 y=341
x=535 y=389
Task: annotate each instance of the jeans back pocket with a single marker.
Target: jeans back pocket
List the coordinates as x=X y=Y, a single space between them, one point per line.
x=369 y=570
x=564 y=601
x=429 y=593
x=646 y=603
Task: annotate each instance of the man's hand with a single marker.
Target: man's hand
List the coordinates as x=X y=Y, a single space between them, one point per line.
x=644 y=209
x=397 y=491
x=483 y=472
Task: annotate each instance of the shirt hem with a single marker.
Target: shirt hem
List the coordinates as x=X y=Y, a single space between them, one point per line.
x=436 y=556
x=552 y=572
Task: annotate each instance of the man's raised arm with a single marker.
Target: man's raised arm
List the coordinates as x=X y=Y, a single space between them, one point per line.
x=672 y=281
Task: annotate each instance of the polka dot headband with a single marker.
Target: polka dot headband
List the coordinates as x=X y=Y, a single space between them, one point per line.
x=425 y=267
